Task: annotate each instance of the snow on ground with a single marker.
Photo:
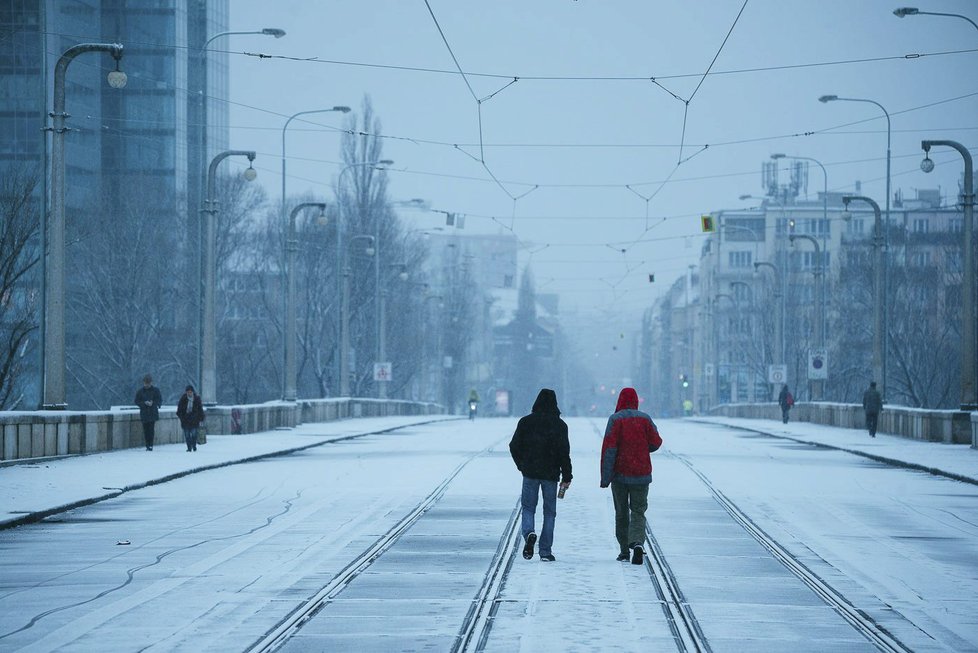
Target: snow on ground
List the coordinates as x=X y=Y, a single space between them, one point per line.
x=898 y=544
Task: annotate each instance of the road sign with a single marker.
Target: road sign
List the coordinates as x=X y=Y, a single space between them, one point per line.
x=818 y=364
x=383 y=371
x=777 y=373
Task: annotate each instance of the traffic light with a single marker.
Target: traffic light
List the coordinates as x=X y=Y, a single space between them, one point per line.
x=707 y=224
x=683 y=380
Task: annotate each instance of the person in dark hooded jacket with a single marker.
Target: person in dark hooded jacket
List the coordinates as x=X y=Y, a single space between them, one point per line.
x=541 y=450
x=626 y=465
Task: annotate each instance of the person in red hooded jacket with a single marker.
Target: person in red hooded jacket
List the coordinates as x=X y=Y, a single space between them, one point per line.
x=626 y=465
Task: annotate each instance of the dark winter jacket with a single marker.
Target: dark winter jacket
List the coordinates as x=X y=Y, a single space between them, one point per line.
x=629 y=438
x=192 y=416
x=152 y=394
x=785 y=400
x=540 y=446
x=872 y=401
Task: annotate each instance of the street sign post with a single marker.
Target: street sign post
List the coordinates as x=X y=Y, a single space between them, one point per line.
x=818 y=364
x=777 y=373
x=383 y=371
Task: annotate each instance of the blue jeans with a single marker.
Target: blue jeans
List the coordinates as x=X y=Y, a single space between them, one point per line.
x=532 y=487
x=190 y=435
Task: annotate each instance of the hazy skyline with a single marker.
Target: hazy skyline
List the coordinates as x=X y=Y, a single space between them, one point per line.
x=579 y=157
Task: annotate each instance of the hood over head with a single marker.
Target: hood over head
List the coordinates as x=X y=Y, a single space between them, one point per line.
x=546 y=402
x=627 y=398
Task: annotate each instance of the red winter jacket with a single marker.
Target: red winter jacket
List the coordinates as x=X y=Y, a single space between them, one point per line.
x=629 y=438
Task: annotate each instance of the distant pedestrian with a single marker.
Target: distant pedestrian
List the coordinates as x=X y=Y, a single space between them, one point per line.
x=626 y=465
x=873 y=405
x=541 y=450
x=190 y=410
x=149 y=400
x=786 y=400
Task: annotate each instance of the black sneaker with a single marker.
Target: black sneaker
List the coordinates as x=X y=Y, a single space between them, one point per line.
x=547 y=558
x=622 y=557
x=531 y=539
x=637 y=554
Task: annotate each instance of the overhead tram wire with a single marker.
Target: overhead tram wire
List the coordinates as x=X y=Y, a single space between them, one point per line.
x=458 y=146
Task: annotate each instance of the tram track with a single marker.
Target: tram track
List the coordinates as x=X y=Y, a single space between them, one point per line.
x=474 y=632
x=853 y=615
x=686 y=631
x=278 y=635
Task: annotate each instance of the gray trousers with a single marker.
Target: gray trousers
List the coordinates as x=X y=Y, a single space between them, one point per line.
x=631 y=502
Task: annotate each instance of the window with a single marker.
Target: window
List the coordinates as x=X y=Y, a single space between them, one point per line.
x=856 y=226
x=920 y=225
x=955 y=225
x=921 y=259
x=739 y=259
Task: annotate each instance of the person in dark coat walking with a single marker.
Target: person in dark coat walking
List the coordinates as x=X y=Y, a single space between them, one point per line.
x=190 y=410
x=873 y=405
x=786 y=401
x=541 y=450
x=149 y=400
x=626 y=465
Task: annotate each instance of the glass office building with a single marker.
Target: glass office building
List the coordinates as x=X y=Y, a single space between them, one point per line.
x=135 y=147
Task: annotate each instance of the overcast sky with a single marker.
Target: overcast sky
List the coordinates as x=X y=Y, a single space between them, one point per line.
x=585 y=136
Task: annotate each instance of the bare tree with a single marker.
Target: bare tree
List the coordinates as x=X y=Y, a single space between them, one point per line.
x=249 y=321
x=122 y=291
x=19 y=302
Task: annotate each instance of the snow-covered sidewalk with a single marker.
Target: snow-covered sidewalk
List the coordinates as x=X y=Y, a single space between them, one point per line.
x=957 y=461
x=30 y=490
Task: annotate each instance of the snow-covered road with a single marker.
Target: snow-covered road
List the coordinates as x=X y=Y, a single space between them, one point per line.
x=217 y=559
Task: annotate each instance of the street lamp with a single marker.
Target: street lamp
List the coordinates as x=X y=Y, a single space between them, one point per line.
x=208 y=335
x=341 y=109
x=779 y=323
x=879 y=356
x=382 y=326
x=291 y=247
x=819 y=299
x=53 y=252
x=969 y=400
x=344 y=353
x=716 y=341
x=370 y=250
x=913 y=11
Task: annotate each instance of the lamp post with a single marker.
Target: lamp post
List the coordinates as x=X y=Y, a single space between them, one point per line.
x=382 y=326
x=345 y=314
x=885 y=234
x=201 y=119
x=208 y=335
x=779 y=323
x=879 y=359
x=53 y=394
x=819 y=300
x=425 y=372
x=825 y=209
x=750 y=315
x=913 y=11
x=969 y=399
x=291 y=247
x=344 y=353
x=716 y=340
x=341 y=109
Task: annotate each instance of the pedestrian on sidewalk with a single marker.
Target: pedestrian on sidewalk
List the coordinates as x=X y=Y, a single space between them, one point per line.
x=873 y=405
x=626 y=465
x=149 y=400
x=786 y=400
x=541 y=450
x=190 y=410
